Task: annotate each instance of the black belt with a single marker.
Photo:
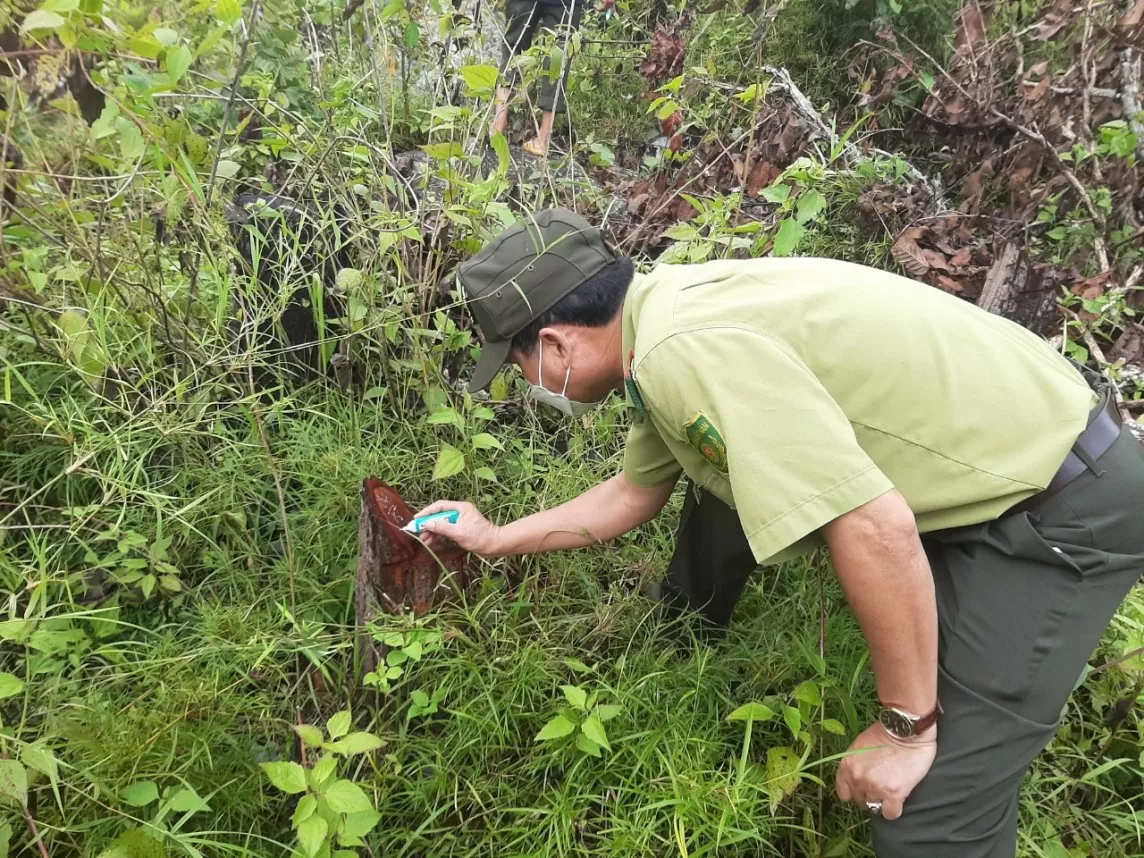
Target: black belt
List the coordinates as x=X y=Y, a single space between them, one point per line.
x=1100 y=434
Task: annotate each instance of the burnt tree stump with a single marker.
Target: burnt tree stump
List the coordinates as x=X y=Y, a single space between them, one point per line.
x=395 y=572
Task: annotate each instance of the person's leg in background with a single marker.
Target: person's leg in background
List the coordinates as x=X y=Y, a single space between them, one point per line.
x=522 y=18
x=562 y=21
x=711 y=563
x=1022 y=604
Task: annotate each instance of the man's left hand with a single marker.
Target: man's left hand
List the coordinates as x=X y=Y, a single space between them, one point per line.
x=886 y=769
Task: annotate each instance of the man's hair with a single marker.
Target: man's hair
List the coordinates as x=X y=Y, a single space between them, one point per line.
x=592 y=304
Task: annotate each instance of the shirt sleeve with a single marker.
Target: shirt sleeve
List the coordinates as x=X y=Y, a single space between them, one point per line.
x=647 y=460
x=792 y=458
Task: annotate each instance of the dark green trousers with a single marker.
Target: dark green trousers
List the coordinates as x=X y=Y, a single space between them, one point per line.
x=1022 y=603
x=524 y=21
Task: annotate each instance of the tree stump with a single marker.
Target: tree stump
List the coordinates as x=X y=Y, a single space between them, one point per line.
x=395 y=572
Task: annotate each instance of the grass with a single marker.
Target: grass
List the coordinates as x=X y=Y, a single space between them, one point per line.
x=196 y=688
x=240 y=509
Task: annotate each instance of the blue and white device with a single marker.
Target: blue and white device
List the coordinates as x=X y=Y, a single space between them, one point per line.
x=418 y=524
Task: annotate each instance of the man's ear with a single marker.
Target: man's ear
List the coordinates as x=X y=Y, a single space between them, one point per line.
x=556 y=344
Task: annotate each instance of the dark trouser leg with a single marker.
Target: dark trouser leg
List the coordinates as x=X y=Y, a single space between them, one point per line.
x=1022 y=603
x=712 y=559
x=521 y=18
x=562 y=22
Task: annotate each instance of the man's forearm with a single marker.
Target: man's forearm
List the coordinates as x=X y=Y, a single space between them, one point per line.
x=604 y=512
x=884 y=573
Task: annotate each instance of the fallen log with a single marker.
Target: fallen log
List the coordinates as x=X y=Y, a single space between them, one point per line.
x=395 y=572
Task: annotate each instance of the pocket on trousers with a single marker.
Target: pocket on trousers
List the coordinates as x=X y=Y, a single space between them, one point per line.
x=1014 y=592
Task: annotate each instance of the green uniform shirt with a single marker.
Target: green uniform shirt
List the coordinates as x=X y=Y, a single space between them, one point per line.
x=796 y=390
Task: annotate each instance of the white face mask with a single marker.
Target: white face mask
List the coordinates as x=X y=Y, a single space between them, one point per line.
x=557 y=400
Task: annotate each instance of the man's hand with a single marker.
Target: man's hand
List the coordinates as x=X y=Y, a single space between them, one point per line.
x=473 y=532
x=889 y=772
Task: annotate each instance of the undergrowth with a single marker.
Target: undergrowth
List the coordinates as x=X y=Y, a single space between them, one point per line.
x=179 y=501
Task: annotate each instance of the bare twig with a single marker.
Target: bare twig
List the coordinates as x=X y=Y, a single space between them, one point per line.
x=1038 y=138
x=1097 y=352
x=1108 y=665
x=31 y=823
x=851 y=154
x=1130 y=96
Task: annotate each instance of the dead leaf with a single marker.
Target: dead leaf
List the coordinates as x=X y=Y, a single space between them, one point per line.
x=762 y=174
x=1130 y=28
x=962 y=257
x=970 y=29
x=1130 y=346
x=1049 y=26
x=948 y=283
x=906 y=251
x=1043 y=66
x=1036 y=93
x=665 y=57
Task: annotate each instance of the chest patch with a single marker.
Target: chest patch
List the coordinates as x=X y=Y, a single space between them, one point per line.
x=705 y=438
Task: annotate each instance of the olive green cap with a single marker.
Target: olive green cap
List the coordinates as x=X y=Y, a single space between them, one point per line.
x=522 y=274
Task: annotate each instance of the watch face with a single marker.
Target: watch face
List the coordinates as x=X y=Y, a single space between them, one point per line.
x=896 y=723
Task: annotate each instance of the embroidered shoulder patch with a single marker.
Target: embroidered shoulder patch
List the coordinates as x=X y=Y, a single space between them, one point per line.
x=705 y=438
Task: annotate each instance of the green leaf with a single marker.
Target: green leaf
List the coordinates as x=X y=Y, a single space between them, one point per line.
x=288 y=777
x=444 y=151
x=481 y=80
x=131 y=145
x=307 y=804
x=14 y=782
x=500 y=146
x=810 y=205
x=485 y=441
x=360 y=823
x=450 y=461
x=229 y=11
x=577 y=697
x=178 y=61
x=42 y=19
x=5 y=837
x=588 y=746
x=776 y=193
x=498 y=390
x=594 y=730
x=356 y=743
x=485 y=473
x=309 y=734
x=782 y=774
x=227 y=169
x=135 y=843
x=557 y=728
x=165 y=36
x=312 y=834
x=787 y=239
x=419 y=698
x=323 y=770
x=10 y=685
x=752 y=712
x=808 y=692
x=339 y=724
x=40 y=759
x=793 y=719
x=140 y=793
x=347 y=797
x=187 y=800
x=608 y=712
x=832 y=725
x=445 y=415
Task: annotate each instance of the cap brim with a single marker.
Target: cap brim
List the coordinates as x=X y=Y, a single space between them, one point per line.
x=493 y=357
